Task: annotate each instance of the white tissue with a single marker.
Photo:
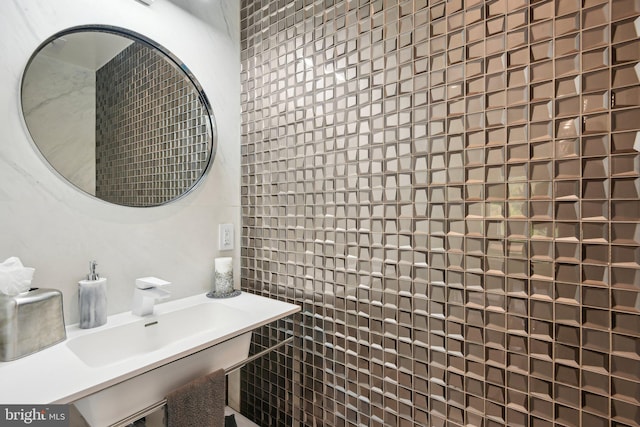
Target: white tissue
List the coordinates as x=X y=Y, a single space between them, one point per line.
x=14 y=277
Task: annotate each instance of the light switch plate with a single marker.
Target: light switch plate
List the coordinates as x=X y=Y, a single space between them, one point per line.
x=225 y=236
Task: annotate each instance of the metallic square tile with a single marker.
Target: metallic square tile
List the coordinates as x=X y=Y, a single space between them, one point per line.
x=450 y=190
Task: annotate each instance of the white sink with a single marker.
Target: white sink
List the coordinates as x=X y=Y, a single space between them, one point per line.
x=152 y=333
x=132 y=363
x=182 y=341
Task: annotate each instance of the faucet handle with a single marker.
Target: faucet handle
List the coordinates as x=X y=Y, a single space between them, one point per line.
x=150 y=282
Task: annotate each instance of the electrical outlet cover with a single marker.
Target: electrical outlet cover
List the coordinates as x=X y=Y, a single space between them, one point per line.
x=225 y=236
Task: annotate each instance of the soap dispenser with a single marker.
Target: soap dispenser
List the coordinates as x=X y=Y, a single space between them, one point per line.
x=92 y=299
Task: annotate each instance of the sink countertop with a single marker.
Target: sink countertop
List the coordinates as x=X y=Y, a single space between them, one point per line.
x=57 y=375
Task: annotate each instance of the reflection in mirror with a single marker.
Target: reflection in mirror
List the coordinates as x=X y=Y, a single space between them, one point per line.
x=118 y=116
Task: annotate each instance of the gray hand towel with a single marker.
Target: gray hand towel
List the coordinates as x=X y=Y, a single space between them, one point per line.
x=199 y=403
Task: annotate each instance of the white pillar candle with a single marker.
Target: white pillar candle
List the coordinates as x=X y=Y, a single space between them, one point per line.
x=223 y=275
x=224 y=265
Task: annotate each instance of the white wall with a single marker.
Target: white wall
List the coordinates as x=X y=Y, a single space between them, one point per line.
x=58 y=229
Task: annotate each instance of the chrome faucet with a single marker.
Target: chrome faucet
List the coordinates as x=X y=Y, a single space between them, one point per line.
x=147 y=292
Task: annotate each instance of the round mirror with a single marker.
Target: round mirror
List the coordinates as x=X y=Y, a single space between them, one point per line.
x=118 y=116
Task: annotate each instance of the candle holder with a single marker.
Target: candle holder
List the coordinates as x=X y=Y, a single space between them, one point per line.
x=223 y=279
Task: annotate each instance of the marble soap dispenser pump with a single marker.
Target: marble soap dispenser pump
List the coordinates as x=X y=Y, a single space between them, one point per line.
x=92 y=299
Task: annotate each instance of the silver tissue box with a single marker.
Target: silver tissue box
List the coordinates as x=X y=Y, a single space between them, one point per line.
x=30 y=322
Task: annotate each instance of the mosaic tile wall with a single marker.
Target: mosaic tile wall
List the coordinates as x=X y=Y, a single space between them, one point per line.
x=266 y=387
x=153 y=135
x=450 y=190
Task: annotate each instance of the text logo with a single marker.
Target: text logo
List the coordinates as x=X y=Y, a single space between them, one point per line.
x=34 y=415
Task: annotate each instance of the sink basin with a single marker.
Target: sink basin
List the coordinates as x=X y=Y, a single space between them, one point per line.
x=182 y=341
x=149 y=334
